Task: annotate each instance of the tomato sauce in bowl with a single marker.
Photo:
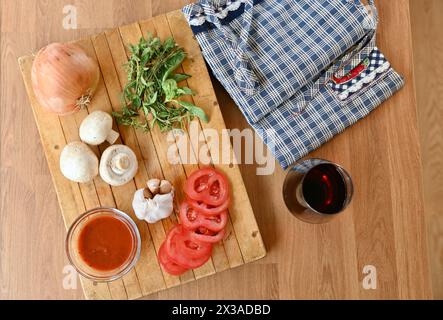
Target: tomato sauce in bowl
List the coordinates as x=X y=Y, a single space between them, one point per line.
x=103 y=244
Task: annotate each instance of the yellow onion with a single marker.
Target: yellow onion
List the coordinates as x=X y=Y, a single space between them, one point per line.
x=64 y=78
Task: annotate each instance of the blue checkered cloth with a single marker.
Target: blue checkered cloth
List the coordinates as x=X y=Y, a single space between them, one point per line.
x=301 y=71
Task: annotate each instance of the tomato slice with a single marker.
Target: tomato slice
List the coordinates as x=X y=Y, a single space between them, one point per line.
x=205 y=235
x=186 y=251
x=168 y=265
x=191 y=219
x=207 y=209
x=209 y=186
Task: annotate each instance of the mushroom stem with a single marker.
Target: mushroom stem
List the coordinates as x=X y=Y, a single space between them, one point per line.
x=112 y=136
x=120 y=163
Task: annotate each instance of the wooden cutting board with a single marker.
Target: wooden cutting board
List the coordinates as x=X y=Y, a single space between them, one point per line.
x=243 y=243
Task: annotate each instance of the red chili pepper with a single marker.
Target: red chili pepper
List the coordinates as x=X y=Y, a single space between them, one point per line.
x=353 y=73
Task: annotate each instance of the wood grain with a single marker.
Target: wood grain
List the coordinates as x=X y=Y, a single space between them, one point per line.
x=112 y=54
x=427 y=24
x=383 y=227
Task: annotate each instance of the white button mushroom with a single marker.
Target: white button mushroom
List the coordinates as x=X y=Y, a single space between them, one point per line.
x=151 y=204
x=78 y=163
x=97 y=128
x=118 y=165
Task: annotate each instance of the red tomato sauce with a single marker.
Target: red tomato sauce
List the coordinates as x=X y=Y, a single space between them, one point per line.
x=105 y=243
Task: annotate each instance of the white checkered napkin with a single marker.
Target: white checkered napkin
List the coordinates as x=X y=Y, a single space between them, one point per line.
x=264 y=51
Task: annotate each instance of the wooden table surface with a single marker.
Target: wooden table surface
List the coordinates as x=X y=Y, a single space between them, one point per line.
x=384 y=227
x=427 y=23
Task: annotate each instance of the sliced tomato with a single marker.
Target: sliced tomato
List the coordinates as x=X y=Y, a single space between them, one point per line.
x=209 y=186
x=207 y=209
x=168 y=265
x=203 y=234
x=191 y=219
x=186 y=251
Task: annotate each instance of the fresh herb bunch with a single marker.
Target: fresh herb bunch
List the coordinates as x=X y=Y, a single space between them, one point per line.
x=152 y=87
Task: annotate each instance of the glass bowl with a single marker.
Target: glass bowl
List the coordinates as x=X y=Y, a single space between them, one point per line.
x=81 y=266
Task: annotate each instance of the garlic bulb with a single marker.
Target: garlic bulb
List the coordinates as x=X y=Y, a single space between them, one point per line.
x=155 y=209
x=151 y=204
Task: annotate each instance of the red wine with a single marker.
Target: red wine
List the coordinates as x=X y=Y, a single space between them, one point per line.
x=324 y=189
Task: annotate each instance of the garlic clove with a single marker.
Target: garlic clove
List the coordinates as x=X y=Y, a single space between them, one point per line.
x=165 y=187
x=147 y=194
x=154 y=185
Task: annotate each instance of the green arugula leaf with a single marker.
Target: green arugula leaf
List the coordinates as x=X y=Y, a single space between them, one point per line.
x=184 y=91
x=137 y=102
x=169 y=87
x=194 y=110
x=152 y=87
x=152 y=99
x=172 y=63
x=179 y=77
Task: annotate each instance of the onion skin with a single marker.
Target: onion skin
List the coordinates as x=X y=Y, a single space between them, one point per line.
x=64 y=78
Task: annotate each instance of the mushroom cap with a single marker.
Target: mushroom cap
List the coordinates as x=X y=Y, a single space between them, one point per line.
x=78 y=163
x=95 y=128
x=118 y=165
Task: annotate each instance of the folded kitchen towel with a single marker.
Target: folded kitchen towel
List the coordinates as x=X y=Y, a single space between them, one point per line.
x=320 y=111
x=300 y=71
